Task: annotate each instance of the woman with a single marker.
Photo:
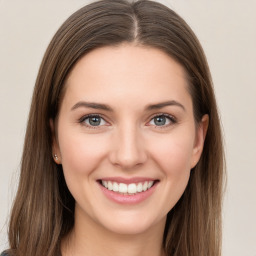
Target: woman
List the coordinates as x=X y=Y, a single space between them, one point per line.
x=123 y=150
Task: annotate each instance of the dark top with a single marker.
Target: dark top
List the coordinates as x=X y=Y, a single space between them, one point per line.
x=3 y=254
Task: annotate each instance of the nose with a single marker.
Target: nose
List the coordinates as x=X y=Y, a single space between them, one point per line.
x=128 y=150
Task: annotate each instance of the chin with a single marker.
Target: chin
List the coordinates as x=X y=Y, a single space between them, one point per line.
x=133 y=224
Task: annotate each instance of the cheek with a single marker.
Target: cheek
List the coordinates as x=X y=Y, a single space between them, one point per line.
x=173 y=154
x=80 y=153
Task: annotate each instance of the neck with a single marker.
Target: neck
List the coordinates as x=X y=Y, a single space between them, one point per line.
x=88 y=238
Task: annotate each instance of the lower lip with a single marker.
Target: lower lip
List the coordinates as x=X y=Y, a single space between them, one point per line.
x=128 y=199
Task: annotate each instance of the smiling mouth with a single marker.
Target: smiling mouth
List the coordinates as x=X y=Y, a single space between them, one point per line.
x=128 y=189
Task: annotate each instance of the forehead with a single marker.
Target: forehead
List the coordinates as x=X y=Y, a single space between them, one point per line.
x=126 y=72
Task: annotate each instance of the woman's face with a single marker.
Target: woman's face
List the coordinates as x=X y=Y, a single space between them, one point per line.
x=126 y=138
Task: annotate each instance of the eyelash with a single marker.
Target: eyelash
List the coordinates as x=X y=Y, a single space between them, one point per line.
x=171 y=118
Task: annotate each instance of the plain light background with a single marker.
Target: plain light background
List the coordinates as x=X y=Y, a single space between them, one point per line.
x=227 y=31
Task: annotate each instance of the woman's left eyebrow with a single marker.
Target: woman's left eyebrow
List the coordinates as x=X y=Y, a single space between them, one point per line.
x=165 y=104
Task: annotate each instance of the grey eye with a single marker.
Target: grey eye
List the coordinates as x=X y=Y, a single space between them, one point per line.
x=95 y=121
x=160 y=120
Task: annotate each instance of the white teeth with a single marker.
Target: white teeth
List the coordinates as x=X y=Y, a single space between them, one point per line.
x=131 y=188
x=122 y=188
x=150 y=184
x=139 y=187
x=105 y=183
x=110 y=186
x=145 y=186
x=115 y=187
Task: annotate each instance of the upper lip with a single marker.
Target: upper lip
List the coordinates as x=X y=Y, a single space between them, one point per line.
x=127 y=180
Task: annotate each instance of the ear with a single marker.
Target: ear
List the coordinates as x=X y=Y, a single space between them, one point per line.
x=55 y=145
x=201 y=131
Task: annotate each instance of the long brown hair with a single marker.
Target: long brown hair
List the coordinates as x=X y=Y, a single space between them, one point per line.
x=43 y=211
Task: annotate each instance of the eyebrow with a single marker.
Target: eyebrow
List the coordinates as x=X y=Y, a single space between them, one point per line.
x=165 y=104
x=100 y=106
x=92 y=105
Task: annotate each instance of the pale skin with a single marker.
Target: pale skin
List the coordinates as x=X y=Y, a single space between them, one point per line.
x=141 y=124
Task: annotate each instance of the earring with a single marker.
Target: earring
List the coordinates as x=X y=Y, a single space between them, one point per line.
x=55 y=157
